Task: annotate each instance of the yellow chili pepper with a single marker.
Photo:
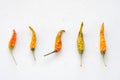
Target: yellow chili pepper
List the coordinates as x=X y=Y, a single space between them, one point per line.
x=58 y=43
x=12 y=43
x=33 y=42
x=102 y=42
x=80 y=42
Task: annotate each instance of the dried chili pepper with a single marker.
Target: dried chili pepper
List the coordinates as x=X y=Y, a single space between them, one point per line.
x=12 y=43
x=33 y=42
x=102 y=43
x=58 y=43
x=80 y=42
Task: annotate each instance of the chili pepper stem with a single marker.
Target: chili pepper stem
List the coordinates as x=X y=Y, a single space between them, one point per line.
x=33 y=55
x=81 y=60
x=50 y=53
x=13 y=56
x=103 y=55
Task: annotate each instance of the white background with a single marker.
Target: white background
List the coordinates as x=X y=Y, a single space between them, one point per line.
x=47 y=17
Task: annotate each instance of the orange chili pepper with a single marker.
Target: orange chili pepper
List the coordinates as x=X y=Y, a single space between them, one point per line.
x=33 y=41
x=102 y=43
x=58 y=43
x=12 y=43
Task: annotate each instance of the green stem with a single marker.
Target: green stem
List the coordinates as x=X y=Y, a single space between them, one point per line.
x=81 y=60
x=103 y=55
x=34 y=55
x=13 y=56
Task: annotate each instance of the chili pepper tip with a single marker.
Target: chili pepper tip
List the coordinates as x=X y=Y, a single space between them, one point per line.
x=103 y=23
x=63 y=30
x=13 y=30
x=82 y=24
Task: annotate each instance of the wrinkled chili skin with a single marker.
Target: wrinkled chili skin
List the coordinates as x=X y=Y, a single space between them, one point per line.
x=33 y=40
x=80 y=40
x=102 y=40
x=12 y=41
x=102 y=43
x=58 y=42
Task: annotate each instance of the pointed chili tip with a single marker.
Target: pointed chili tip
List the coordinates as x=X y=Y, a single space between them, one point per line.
x=103 y=23
x=82 y=24
x=14 y=31
x=29 y=27
x=81 y=27
x=62 y=30
x=102 y=26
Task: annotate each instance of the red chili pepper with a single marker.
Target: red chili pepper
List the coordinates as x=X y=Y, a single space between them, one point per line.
x=12 y=43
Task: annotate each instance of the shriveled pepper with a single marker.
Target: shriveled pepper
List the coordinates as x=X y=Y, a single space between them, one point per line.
x=58 y=43
x=102 y=43
x=80 y=42
x=33 y=42
x=12 y=43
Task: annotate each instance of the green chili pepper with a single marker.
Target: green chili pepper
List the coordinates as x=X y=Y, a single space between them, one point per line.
x=80 y=43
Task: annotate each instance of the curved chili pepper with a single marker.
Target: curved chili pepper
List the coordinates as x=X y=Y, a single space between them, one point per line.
x=80 y=42
x=58 y=43
x=12 y=43
x=33 y=42
x=102 y=43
